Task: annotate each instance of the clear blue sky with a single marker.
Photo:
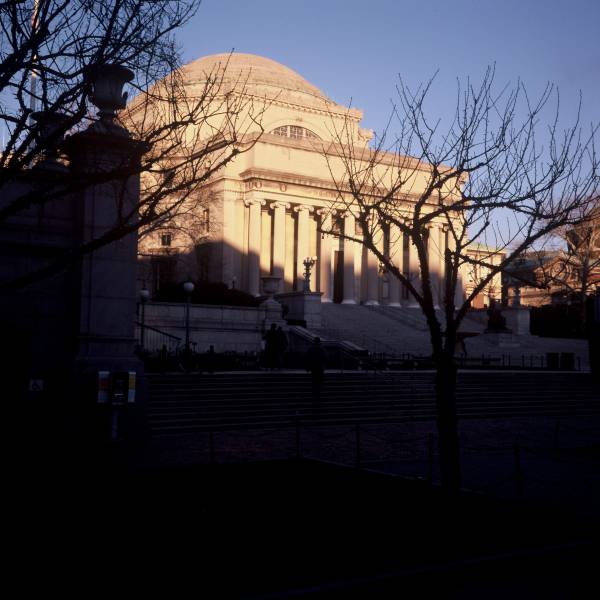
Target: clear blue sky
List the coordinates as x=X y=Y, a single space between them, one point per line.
x=355 y=50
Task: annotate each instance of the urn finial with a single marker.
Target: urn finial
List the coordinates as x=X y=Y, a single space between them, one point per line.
x=107 y=94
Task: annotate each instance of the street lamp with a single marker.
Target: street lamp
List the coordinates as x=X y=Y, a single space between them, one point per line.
x=144 y=297
x=309 y=263
x=188 y=288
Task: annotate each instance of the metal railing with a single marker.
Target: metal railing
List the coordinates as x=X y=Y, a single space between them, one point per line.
x=155 y=339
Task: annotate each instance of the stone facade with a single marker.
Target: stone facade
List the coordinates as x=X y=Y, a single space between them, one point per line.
x=267 y=211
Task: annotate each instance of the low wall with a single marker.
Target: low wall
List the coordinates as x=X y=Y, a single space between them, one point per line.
x=227 y=328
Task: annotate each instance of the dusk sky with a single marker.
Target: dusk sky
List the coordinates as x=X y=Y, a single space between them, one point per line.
x=353 y=50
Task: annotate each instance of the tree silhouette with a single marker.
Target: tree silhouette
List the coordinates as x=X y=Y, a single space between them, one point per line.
x=51 y=52
x=495 y=176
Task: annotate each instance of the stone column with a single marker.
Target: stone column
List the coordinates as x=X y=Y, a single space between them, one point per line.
x=279 y=240
x=397 y=258
x=459 y=290
x=442 y=247
x=229 y=243
x=373 y=267
x=414 y=274
x=349 y=294
x=303 y=242
x=325 y=271
x=254 y=238
x=433 y=258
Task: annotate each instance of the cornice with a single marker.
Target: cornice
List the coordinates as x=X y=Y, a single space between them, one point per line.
x=338 y=110
x=335 y=150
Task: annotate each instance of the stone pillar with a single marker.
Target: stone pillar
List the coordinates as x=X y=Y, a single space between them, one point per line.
x=279 y=241
x=397 y=258
x=349 y=293
x=303 y=243
x=106 y=286
x=254 y=238
x=459 y=290
x=325 y=270
x=414 y=273
x=230 y=244
x=443 y=233
x=373 y=267
x=433 y=257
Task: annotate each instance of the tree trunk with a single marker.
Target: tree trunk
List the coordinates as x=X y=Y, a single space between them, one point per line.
x=447 y=423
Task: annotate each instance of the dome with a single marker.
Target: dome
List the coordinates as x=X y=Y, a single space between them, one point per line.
x=264 y=77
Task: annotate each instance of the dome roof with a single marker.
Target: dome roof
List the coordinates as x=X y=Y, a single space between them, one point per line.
x=262 y=75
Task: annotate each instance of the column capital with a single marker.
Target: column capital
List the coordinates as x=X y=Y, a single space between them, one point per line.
x=254 y=201
x=301 y=207
x=326 y=211
x=279 y=204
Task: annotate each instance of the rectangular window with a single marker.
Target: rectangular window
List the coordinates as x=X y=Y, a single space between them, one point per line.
x=295 y=131
x=206 y=220
x=165 y=239
x=406 y=249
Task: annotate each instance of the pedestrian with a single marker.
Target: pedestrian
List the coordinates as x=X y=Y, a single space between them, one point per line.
x=281 y=346
x=271 y=346
x=315 y=359
x=210 y=359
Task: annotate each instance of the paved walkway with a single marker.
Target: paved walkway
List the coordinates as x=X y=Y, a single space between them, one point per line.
x=535 y=458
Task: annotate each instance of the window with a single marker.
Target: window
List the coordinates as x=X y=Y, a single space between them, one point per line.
x=296 y=132
x=165 y=239
x=205 y=224
x=164 y=269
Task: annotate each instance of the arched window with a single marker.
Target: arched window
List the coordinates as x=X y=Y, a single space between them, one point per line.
x=296 y=132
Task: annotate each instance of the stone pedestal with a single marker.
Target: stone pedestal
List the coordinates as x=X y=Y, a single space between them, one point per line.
x=273 y=311
x=517 y=319
x=302 y=306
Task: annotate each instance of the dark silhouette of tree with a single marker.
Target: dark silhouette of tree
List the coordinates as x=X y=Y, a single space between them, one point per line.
x=500 y=175
x=51 y=52
x=574 y=273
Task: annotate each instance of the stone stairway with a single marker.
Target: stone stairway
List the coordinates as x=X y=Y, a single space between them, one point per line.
x=402 y=330
x=180 y=404
x=414 y=317
x=371 y=329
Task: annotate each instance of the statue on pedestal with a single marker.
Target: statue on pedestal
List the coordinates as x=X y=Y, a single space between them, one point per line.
x=496 y=322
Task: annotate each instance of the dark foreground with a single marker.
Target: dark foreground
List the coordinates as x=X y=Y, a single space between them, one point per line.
x=285 y=529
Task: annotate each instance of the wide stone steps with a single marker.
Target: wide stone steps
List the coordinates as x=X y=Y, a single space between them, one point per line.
x=183 y=404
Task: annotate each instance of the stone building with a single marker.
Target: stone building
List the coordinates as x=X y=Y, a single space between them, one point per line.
x=266 y=211
x=474 y=273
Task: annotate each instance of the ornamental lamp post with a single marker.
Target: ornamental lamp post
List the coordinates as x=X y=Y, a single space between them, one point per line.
x=309 y=262
x=144 y=297
x=188 y=288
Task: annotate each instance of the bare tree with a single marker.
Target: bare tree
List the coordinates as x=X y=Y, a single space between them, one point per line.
x=50 y=53
x=574 y=272
x=490 y=178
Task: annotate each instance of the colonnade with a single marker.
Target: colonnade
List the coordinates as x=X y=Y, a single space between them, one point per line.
x=362 y=276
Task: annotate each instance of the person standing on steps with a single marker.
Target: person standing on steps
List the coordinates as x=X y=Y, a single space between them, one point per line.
x=315 y=359
x=281 y=346
x=271 y=347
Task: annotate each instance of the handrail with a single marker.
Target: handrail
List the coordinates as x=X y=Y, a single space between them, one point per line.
x=169 y=335
x=155 y=339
